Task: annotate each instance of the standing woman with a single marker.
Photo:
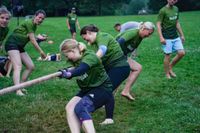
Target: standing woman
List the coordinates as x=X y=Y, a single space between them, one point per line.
x=107 y=48
x=4 y=20
x=129 y=41
x=15 y=47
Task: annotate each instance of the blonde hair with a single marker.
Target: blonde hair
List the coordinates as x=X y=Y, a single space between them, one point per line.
x=147 y=25
x=68 y=44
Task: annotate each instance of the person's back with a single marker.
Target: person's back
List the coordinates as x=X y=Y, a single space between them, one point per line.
x=130 y=25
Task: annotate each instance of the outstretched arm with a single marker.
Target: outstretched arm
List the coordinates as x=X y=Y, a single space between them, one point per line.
x=35 y=44
x=80 y=70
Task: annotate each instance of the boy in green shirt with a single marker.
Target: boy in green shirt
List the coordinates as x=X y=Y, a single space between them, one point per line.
x=72 y=21
x=168 y=25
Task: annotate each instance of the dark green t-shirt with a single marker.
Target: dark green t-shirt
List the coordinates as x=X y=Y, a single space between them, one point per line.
x=72 y=18
x=132 y=40
x=3 y=33
x=113 y=52
x=20 y=34
x=95 y=76
x=168 y=18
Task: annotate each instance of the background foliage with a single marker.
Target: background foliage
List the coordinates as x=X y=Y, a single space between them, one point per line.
x=97 y=7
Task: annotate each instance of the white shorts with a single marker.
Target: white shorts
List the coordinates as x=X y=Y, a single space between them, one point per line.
x=172 y=45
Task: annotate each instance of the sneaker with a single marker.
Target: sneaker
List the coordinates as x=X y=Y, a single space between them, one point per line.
x=24 y=90
x=19 y=93
x=107 y=122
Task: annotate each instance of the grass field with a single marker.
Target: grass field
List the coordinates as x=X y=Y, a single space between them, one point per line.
x=161 y=105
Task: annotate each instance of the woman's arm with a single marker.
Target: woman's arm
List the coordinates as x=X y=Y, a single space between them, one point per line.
x=35 y=44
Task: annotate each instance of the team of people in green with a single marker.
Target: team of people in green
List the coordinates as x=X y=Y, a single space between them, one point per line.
x=100 y=66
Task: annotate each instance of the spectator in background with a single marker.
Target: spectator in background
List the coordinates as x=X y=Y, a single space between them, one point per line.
x=72 y=21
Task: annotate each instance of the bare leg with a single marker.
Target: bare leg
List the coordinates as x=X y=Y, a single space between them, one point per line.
x=136 y=68
x=166 y=65
x=8 y=68
x=175 y=60
x=88 y=126
x=74 y=35
x=17 y=67
x=73 y=122
x=29 y=66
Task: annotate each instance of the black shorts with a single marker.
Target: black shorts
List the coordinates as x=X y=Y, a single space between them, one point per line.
x=73 y=29
x=14 y=47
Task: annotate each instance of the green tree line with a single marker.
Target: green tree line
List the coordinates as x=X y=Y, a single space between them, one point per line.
x=96 y=7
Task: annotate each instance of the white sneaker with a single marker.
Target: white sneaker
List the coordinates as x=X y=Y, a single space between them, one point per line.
x=19 y=93
x=107 y=122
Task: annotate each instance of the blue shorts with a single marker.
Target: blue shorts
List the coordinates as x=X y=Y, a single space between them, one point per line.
x=172 y=45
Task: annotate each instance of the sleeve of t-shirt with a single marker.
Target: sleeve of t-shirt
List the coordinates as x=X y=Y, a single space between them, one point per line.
x=160 y=16
x=29 y=27
x=103 y=40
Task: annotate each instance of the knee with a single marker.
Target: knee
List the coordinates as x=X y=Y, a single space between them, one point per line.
x=31 y=67
x=140 y=68
x=181 y=54
x=17 y=67
x=69 y=109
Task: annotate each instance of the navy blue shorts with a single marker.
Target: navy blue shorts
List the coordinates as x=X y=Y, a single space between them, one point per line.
x=98 y=95
x=72 y=29
x=118 y=75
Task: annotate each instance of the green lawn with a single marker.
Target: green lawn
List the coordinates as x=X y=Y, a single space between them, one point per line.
x=161 y=105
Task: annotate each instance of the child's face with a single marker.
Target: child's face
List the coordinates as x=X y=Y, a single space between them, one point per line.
x=73 y=54
x=172 y=2
x=4 y=20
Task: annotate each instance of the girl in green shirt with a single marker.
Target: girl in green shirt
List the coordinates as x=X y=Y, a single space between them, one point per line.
x=15 y=47
x=95 y=86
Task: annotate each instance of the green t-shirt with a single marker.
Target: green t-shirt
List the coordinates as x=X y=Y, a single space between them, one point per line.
x=168 y=18
x=132 y=40
x=95 y=76
x=20 y=34
x=113 y=52
x=3 y=33
x=72 y=18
